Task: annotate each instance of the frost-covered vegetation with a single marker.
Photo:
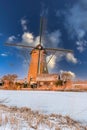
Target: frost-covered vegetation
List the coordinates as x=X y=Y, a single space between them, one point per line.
x=13 y=118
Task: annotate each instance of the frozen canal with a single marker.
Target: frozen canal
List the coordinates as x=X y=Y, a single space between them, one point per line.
x=73 y=104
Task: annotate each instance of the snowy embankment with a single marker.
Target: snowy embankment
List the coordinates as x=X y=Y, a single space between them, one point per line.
x=13 y=118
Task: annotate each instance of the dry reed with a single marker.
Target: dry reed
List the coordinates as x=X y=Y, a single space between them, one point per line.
x=19 y=118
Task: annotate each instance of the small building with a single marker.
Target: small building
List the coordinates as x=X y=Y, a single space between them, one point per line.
x=47 y=79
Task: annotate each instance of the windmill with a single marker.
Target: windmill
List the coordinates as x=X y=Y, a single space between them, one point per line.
x=38 y=64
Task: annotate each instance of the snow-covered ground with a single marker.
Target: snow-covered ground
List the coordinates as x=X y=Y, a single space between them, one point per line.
x=73 y=104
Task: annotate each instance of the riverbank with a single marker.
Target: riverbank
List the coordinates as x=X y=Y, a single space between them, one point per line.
x=46 y=89
x=14 y=118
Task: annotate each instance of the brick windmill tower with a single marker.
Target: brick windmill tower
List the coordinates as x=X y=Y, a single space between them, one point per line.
x=38 y=54
x=37 y=63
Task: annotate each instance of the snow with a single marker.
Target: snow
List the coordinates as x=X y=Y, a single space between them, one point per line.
x=73 y=104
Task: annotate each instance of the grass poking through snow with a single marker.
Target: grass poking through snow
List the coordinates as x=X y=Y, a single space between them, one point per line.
x=13 y=118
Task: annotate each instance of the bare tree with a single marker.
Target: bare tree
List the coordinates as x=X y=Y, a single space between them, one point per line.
x=10 y=78
x=67 y=75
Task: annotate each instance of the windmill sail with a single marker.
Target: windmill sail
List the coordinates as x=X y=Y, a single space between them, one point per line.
x=40 y=46
x=19 y=45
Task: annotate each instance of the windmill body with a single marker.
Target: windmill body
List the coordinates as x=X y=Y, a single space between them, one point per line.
x=37 y=63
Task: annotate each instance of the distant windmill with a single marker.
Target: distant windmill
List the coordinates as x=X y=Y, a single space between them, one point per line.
x=38 y=64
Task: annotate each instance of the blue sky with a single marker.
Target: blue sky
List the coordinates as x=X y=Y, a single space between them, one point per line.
x=66 y=27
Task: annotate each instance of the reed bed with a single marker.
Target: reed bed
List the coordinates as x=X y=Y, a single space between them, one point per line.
x=13 y=118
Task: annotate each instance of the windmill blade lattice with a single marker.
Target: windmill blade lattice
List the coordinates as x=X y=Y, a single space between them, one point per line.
x=19 y=45
x=58 y=50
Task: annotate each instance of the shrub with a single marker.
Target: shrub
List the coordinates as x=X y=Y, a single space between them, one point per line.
x=59 y=83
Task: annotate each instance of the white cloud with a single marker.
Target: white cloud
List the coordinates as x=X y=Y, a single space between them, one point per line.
x=80 y=48
x=37 y=41
x=11 y=38
x=24 y=24
x=52 y=62
x=58 y=57
x=70 y=57
x=3 y=54
x=72 y=74
x=76 y=22
x=53 y=39
x=28 y=38
x=81 y=45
